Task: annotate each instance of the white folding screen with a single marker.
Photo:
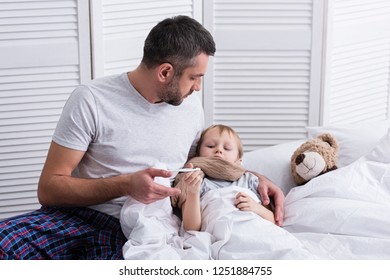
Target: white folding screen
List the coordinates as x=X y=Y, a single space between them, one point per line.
x=283 y=65
x=41 y=61
x=357 y=76
x=119 y=28
x=262 y=81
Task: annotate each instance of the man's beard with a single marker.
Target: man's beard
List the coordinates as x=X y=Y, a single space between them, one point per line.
x=171 y=93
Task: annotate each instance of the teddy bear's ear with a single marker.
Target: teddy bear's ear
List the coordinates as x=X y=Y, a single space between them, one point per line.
x=330 y=139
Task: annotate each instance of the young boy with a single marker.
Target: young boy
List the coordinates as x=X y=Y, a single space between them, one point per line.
x=222 y=142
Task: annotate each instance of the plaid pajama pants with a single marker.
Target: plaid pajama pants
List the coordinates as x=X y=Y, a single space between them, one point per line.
x=61 y=233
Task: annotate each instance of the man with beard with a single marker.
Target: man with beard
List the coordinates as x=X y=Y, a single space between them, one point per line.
x=111 y=134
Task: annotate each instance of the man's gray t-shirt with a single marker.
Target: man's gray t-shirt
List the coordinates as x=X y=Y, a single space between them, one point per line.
x=121 y=132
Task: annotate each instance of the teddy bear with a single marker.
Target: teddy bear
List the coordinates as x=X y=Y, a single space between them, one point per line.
x=314 y=157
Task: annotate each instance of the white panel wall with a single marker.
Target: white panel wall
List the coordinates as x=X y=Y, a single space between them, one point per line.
x=119 y=28
x=41 y=61
x=262 y=80
x=358 y=62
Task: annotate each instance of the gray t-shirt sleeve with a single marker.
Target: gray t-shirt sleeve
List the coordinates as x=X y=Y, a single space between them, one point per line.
x=76 y=127
x=253 y=184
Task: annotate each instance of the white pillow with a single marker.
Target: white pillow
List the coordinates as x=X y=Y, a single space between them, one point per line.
x=355 y=140
x=274 y=163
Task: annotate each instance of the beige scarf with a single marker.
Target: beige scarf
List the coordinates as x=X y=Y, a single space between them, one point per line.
x=213 y=167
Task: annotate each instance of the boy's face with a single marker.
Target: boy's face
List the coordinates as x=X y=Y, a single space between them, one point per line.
x=223 y=145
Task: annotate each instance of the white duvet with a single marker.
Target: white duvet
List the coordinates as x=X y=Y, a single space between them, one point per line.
x=239 y=234
x=344 y=214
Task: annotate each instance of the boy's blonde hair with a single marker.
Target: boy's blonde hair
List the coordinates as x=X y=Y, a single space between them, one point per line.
x=222 y=128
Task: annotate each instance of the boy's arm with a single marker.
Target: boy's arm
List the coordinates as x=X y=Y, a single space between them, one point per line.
x=267 y=189
x=190 y=185
x=191 y=212
x=246 y=203
x=265 y=213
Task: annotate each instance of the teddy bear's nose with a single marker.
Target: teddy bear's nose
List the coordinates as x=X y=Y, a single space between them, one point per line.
x=299 y=159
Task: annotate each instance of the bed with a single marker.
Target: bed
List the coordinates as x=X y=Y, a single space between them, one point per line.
x=343 y=214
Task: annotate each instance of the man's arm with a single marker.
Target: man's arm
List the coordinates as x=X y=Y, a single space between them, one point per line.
x=58 y=188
